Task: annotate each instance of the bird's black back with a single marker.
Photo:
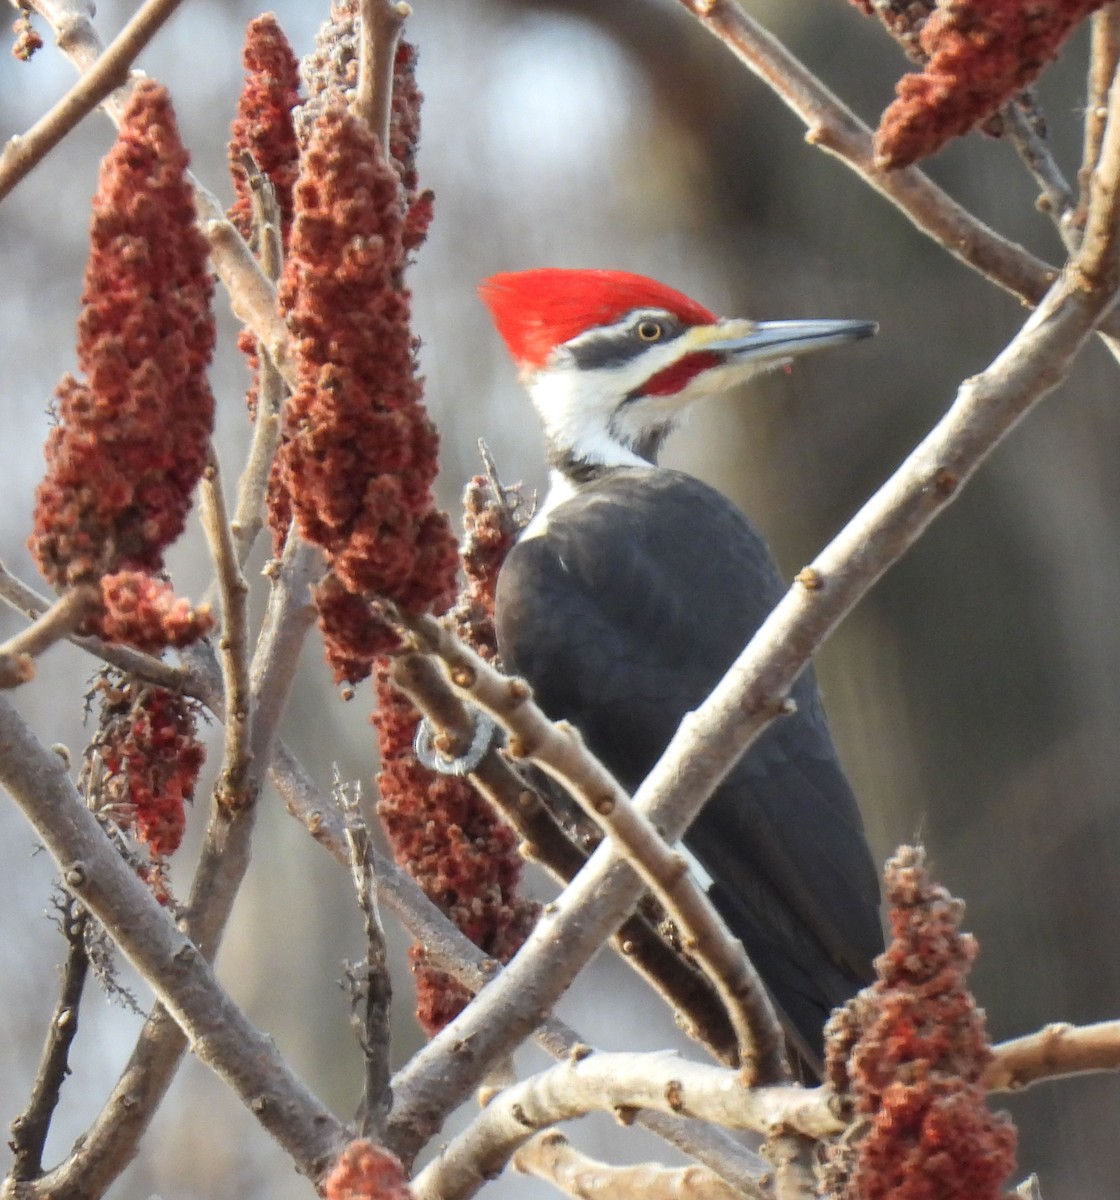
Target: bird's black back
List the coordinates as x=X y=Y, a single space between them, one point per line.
x=623 y=615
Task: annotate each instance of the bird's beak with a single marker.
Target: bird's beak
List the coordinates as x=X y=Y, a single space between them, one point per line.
x=773 y=342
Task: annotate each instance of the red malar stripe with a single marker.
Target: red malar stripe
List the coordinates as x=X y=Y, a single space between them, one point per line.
x=677 y=376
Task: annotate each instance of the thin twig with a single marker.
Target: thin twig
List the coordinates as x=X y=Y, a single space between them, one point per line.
x=252 y=487
x=17 y=595
x=252 y=294
x=551 y=1156
x=1096 y=267
x=1054 y=1052
x=455 y=953
x=987 y=407
x=1104 y=56
x=111 y=1142
x=604 y=1082
x=448 y=947
x=30 y=1128
x=221 y=1035
x=380 y=30
x=371 y=989
x=26 y=151
x=689 y=994
x=557 y=749
x=1025 y=127
x=289 y=617
x=233 y=643
x=18 y=653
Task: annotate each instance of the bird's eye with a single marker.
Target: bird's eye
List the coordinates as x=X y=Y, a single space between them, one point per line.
x=650 y=331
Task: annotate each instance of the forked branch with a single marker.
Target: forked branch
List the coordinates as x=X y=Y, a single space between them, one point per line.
x=53 y=624
x=25 y=151
x=609 y=1083
x=221 y=1035
x=835 y=128
x=557 y=748
x=987 y=407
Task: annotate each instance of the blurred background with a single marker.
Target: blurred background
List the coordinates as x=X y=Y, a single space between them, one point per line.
x=975 y=695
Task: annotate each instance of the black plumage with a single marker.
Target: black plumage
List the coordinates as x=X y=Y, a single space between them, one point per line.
x=623 y=609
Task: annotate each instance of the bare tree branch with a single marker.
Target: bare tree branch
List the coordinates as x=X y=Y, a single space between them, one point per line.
x=455 y=953
x=233 y=642
x=1054 y=1052
x=835 y=128
x=30 y=1128
x=26 y=151
x=1025 y=127
x=288 y=619
x=1096 y=266
x=18 y=653
x=603 y=1082
x=544 y=840
x=17 y=595
x=550 y=1156
x=751 y=694
x=381 y=25
x=1029 y=1189
x=221 y=1034
x=794 y=1157
x=252 y=487
x=1103 y=59
x=695 y=1003
x=252 y=294
x=112 y=1141
x=371 y=987
x=557 y=748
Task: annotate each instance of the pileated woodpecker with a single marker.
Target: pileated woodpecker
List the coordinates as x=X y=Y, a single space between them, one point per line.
x=634 y=588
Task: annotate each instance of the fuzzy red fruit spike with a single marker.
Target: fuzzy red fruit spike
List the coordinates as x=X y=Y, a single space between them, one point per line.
x=450 y=840
x=151 y=755
x=536 y=311
x=141 y=611
x=910 y=1051
x=979 y=56
x=364 y=1171
x=360 y=452
x=264 y=124
x=132 y=437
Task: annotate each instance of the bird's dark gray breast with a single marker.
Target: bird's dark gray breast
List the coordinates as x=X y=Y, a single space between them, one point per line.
x=623 y=614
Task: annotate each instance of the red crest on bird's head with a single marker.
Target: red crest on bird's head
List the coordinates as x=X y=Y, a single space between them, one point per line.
x=536 y=311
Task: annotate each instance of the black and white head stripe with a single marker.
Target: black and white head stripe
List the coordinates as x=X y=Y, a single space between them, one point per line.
x=611 y=346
